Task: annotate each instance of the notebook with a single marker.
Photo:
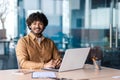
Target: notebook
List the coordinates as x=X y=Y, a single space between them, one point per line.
x=73 y=59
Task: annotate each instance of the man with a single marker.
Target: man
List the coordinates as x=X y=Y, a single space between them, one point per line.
x=34 y=51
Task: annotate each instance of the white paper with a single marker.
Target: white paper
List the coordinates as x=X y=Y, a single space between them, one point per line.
x=43 y=75
x=116 y=77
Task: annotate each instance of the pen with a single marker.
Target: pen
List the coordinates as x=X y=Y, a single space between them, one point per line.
x=97 y=66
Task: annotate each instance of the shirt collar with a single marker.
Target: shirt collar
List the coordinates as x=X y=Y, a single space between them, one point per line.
x=34 y=37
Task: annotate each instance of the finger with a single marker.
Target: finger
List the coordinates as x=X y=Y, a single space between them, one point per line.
x=57 y=61
x=57 y=66
x=51 y=64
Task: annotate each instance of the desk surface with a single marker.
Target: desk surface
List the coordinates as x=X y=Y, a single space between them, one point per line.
x=88 y=73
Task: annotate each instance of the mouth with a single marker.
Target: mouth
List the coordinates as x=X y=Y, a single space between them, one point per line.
x=37 y=30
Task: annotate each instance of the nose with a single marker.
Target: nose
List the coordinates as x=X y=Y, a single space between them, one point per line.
x=37 y=25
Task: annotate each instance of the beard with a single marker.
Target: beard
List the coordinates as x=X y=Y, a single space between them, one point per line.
x=37 y=33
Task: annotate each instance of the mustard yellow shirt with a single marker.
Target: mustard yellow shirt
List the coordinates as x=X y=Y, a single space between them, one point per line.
x=33 y=54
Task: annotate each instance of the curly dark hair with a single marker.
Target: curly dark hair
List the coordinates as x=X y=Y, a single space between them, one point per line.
x=38 y=16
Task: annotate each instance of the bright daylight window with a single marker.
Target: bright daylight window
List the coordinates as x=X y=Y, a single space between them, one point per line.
x=66 y=22
x=8 y=17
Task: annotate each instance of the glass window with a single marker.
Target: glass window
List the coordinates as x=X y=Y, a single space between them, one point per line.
x=9 y=16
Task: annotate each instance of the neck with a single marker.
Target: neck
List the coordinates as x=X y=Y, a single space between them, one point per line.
x=38 y=35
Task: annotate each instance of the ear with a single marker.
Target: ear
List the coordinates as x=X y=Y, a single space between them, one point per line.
x=29 y=27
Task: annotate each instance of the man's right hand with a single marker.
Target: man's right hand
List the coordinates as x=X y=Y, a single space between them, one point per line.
x=50 y=64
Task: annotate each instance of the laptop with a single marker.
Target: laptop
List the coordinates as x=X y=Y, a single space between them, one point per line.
x=73 y=59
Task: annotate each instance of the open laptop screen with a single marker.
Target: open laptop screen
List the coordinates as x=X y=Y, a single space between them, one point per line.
x=73 y=59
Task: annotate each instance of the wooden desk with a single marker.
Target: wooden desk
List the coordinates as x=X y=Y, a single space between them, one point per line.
x=86 y=73
x=90 y=73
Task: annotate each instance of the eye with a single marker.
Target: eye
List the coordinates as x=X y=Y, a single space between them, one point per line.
x=34 y=23
x=40 y=23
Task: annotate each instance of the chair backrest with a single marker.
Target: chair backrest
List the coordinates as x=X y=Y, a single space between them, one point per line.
x=18 y=63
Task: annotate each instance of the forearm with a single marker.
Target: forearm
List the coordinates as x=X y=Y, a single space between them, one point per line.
x=31 y=65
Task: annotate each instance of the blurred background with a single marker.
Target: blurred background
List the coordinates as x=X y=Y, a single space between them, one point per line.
x=72 y=24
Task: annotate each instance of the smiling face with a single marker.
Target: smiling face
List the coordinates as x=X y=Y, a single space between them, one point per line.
x=37 y=27
x=37 y=22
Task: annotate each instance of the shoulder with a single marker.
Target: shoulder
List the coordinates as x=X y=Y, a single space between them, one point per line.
x=24 y=39
x=48 y=39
